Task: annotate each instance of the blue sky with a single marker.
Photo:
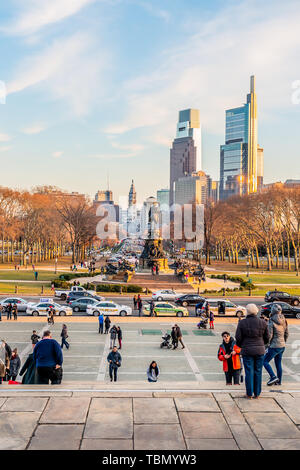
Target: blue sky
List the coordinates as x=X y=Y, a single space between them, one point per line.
x=95 y=86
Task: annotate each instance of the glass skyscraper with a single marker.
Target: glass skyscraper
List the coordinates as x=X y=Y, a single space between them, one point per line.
x=239 y=156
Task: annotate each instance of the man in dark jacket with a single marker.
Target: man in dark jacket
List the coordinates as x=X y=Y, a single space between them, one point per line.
x=48 y=359
x=107 y=323
x=114 y=359
x=252 y=336
x=64 y=335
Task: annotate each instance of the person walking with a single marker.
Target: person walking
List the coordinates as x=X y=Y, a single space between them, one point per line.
x=151 y=308
x=101 y=321
x=28 y=369
x=207 y=309
x=64 y=335
x=51 y=313
x=119 y=335
x=279 y=333
x=14 y=366
x=4 y=361
x=229 y=354
x=134 y=302
x=36 y=274
x=9 y=311
x=179 y=336
x=153 y=372
x=174 y=337
x=113 y=336
x=34 y=337
x=114 y=359
x=107 y=323
x=211 y=320
x=140 y=306
x=14 y=311
x=251 y=336
x=48 y=358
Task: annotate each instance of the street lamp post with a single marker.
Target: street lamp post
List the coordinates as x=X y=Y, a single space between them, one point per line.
x=248 y=267
x=55 y=271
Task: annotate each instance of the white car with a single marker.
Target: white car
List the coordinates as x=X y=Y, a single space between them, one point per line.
x=21 y=303
x=41 y=308
x=108 y=308
x=166 y=294
x=218 y=305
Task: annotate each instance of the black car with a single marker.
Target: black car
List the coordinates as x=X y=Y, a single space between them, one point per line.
x=189 y=299
x=275 y=295
x=77 y=295
x=287 y=310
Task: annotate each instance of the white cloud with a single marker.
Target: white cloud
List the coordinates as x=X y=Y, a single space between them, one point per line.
x=4 y=137
x=40 y=13
x=34 y=129
x=69 y=69
x=57 y=154
x=210 y=70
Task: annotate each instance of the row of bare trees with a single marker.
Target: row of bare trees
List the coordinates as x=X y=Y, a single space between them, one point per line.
x=265 y=224
x=43 y=224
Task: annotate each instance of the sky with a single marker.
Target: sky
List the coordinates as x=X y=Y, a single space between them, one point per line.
x=93 y=87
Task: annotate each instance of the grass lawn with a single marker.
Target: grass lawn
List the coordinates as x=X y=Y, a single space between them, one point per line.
x=276 y=278
x=31 y=288
x=28 y=275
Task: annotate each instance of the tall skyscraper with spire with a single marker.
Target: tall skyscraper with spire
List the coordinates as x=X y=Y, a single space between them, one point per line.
x=241 y=159
x=132 y=195
x=185 y=154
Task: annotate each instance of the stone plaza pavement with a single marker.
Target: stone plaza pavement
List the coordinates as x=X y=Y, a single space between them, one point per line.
x=136 y=416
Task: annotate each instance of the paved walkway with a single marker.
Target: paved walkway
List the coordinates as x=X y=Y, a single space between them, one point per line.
x=62 y=417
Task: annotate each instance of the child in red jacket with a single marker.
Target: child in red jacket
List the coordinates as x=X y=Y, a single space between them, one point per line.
x=229 y=354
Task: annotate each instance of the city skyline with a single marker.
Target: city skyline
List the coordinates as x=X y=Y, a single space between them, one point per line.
x=79 y=105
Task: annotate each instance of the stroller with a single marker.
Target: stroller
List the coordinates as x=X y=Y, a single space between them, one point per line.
x=166 y=341
x=203 y=323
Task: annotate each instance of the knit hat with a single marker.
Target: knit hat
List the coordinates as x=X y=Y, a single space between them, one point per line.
x=251 y=309
x=276 y=308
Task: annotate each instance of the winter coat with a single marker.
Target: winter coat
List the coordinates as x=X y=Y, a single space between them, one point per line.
x=153 y=374
x=236 y=362
x=15 y=364
x=107 y=322
x=100 y=319
x=35 y=339
x=252 y=336
x=119 y=333
x=29 y=370
x=113 y=333
x=278 y=330
x=114 y=357
x=178 y=332
x=64 y=333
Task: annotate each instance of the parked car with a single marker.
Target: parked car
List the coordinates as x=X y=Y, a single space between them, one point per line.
x=108 y=308
x=81 y=304
x=288 y=310
x=41 y=308
x=217 y=304
x=78 y=295
x=273 y=296
x=63 y=294
x=21 y=303
x=166 y=309
x=166 y=294
x=189 y=299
